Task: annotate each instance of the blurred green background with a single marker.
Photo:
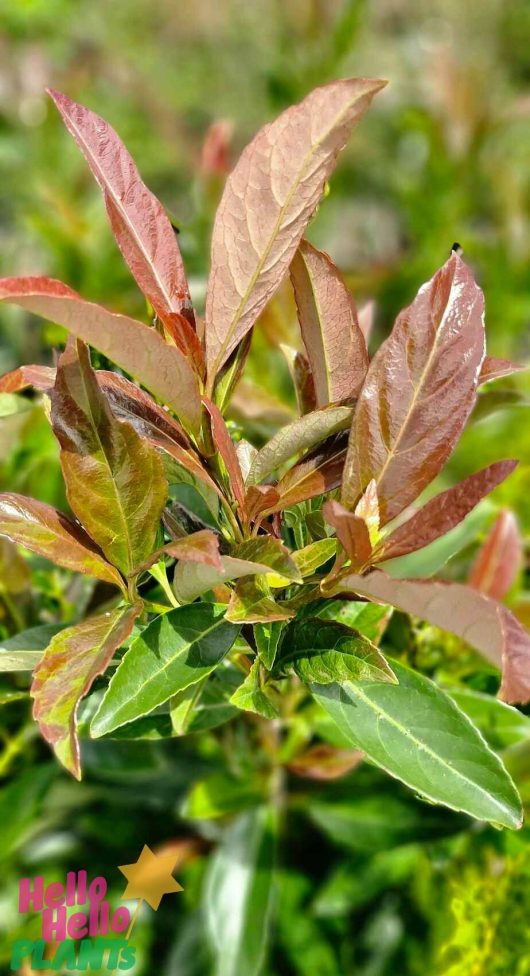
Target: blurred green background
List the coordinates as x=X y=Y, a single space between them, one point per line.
x=442 y=156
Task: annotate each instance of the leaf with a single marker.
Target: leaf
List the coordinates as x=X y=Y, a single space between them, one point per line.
x=142 y=230
x=219 y=795
x=263 y=555
x=135 y=347
x=313 y=556
x=267 y=203
x=227 y=452
x=251 y=697
x=39 y=377
x=301 y=435
x=432 y=558
x=417 y=734
x=367 y=509
x=317 y=474
x=322 y=651
x=335 y=345
x=443 y=512
x=352 y=532
x=251 y=603
x=267 y=637
x=49 y=533
x=369 y=824
x=66 y=672
x=302 y=377
x=500 y=558
x=419 y=392
x=370 y=619
x=130 y=403
x=481 y=622
x=324 y=763
x=114 y=480
x=175 y=651
x=493 y=368
x=238 y=899
x=260 y=499
x=199 y=547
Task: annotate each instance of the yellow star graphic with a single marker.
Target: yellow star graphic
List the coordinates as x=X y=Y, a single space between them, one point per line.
x=151 y=877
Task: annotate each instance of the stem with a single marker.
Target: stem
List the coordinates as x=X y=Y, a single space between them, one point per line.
x=13 y=610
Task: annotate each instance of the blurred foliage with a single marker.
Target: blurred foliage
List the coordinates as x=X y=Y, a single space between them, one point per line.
x=370 y=881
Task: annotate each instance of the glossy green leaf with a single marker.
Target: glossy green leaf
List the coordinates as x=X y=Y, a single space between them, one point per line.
x=257 y=556
x=500 y=724
x=66 y=671
x=251 y=696
x=175 y=651
x=302 y=435
x=267 y=637
x=370 y=619
x=114 y=479
x=416 y=733
x=315 y=555
x=239 y=894
x=321 y=651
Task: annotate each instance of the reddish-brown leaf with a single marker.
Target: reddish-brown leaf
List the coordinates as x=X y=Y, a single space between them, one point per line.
x=443 y=512
x=327 y=314
x=366 y=318
x=180 y=333
x=301 y=435
x=267 y=203
x=260 y=498
x=114 y=478
x=316 y=474
x=135 y=347
x=64 y=675
x=480 y=621
x=130 y=403
x=40 y=377
x=49 y=533
x=494 y=369
x=227 y=451
x=324 y=763
x=199 y=547
x=304 y=384
x=352 y=532
x=142 y=230
x=419 y=391
x=499 y=559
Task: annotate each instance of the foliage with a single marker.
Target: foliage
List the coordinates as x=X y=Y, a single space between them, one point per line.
x=173 y=505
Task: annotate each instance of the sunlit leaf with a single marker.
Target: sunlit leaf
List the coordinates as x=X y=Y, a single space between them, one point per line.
x=396 y=726
x=322 y=651
x=176 y=650
x=334 y=343
x=500 y=558
x=419 y=392
x=302 y=435
x=251 y=696
x=267 y=203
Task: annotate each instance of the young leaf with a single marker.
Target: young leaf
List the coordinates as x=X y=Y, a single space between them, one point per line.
x=267 y=203
x=39 y=377
x=301 y=435
x=267 y=637
x=443 y=512
x=65 y=673
x=333 y=340
x=250 y=695
x=493 y=368
x=175 y=651
x=130 y=403
x=49 y=533
x=199 y=547
x=479 y=621
x=311 y=557
x=142 y=230
x=419 y=391
x=114 y=480
x=239 y=893
x=324 y=651
x=135 y=347
x=367 y=509
x=317 y=474
x=352 y=532
x=302 y=377
x=260 y=499
x=416 y=733
x=227 y=451
x=251 y=603
x=500 y=558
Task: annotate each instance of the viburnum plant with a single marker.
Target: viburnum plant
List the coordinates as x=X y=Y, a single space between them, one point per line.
x=272 y=596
